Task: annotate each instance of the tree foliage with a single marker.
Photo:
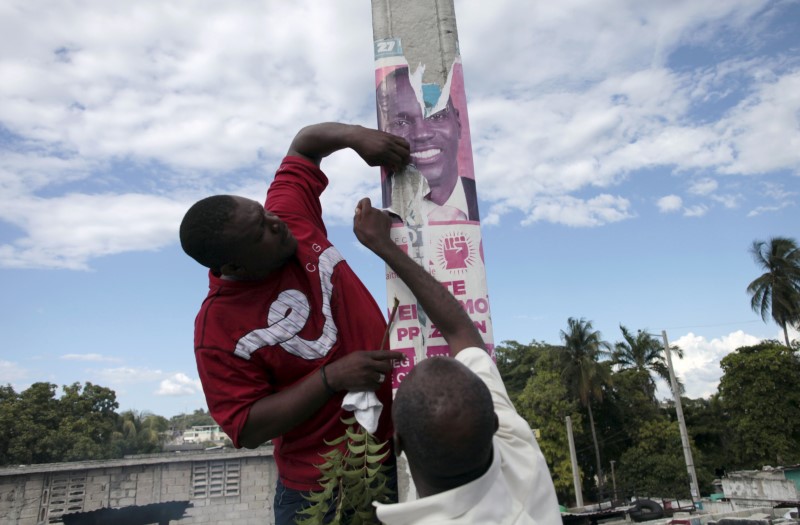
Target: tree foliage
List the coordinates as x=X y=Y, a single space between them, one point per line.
x=352 y=478
x=198 y=418
x=753 y=420
x=777 y=291
x=584 y=374
x=655 y=466
x=645 y=354
x=706 y=424
x=624 y=409
x=37 y=426
x=545 y=403
x=516 y=363
x=760 y=393
x=138 y=433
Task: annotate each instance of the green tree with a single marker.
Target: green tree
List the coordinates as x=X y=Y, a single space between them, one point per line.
x=760 y=393
x=38 y=427
x=34 y=414
x=777 y=290
x=516 y=363
x=582 y=371
x=655 y=465
x=8 y=422
x=196 y=419
x=545 y=403
x=708 y=428
x=645 y=354
x=87 y=422
x=625 y=407
x=139 y=433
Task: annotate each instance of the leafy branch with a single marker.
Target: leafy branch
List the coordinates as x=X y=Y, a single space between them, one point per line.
x=352 y=477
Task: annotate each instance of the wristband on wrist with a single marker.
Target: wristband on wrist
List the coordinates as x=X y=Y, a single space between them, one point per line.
x=325 y=381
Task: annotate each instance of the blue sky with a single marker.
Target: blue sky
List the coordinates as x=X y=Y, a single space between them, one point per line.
x=627 y=155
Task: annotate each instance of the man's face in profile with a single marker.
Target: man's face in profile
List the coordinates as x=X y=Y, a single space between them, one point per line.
x=433 y=140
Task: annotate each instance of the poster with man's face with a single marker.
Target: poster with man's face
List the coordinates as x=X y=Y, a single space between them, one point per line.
x=434 y=200
x=433 y=120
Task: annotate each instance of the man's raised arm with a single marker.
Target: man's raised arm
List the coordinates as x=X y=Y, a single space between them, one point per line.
x=377 y=148
x=371 y=226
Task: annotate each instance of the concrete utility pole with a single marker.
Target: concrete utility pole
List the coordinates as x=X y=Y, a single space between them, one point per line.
x=576 y=477
x=420 y=96
x=419 y=90
x=426 y=30
x=614 y=479
x=687 y=450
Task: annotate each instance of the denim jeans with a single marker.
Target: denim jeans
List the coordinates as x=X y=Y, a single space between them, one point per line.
x=288 y=502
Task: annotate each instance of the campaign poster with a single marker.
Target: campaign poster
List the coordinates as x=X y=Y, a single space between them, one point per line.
x=433 y=201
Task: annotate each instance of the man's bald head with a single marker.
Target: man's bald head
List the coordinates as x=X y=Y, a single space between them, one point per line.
x=444 y=418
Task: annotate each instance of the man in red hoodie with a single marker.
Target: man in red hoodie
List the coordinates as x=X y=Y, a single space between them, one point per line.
x=287 y=328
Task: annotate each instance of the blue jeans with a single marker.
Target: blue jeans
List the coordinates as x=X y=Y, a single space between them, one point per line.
x=288 y=502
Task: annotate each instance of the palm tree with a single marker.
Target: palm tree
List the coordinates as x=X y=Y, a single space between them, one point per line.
x=777 y=290
x=584 y=374
x=644 y=354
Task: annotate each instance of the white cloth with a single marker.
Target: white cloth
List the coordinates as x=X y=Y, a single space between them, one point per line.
x=516 y=489
x=366 y=407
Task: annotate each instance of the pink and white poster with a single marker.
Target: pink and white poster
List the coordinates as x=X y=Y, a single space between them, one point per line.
x=434 y=199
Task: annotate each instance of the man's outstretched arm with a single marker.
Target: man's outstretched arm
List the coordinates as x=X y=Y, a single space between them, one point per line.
x=276 y=414
x=377 y=148
x=371 y=226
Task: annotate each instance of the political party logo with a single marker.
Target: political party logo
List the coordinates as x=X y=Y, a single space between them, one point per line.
x=455 y=252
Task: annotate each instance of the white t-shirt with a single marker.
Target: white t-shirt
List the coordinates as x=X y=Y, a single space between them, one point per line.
x=516 y=489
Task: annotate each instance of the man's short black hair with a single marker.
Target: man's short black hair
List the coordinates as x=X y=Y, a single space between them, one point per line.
x=445 y=418
x=202 y=230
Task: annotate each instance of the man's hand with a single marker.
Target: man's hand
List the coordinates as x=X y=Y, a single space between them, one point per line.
x=278 y=413
x=362 y=370
x=371 y=226
x=379 y=148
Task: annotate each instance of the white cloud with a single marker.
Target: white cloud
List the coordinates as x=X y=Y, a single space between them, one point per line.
x=88 y=357
x=778 y=197
x=763 y=128
x=199 y=85
x=351 y=180
x=64 y=232
x=200 y=98
x=729 y=201
x=695 y=211
x=768 y=209
x=703 y=186
x=669 y=203
x=179 y=385
x=490 y=219
x=11 y=372
x=128 y=375
x=699 y=369
x=570 y=211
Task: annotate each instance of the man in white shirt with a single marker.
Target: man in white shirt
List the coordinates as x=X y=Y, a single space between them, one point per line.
x=472 y=457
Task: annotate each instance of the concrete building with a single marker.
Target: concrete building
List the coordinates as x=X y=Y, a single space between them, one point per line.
x=204 y=434
x=224 y=487
x=766 y=487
